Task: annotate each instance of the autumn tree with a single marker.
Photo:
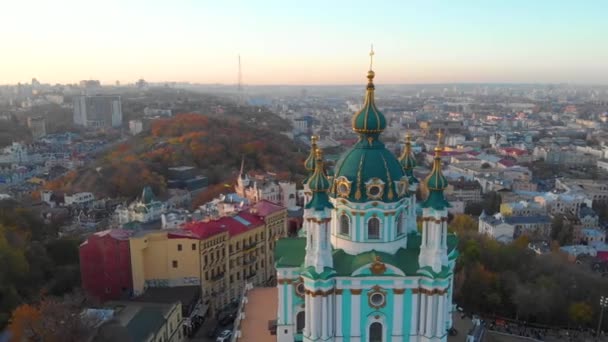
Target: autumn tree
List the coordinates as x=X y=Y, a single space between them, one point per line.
x=50 y=320
x=580 y=313
x=463 y=223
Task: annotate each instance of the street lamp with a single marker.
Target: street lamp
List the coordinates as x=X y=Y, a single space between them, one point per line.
x=603 y=304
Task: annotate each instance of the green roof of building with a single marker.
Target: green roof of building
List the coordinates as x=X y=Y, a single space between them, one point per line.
x=309 y=163
x=145 y=323
x=435 y=200
x=147 y=195
x=369 y=120
x=369 y=159
x=319 y=185
x=290 y=252
x=408 y=161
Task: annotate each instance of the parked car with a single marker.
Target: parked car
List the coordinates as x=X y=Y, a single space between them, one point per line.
x=224 y=336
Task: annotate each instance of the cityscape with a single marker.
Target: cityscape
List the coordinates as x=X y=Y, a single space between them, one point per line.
x=341 y=201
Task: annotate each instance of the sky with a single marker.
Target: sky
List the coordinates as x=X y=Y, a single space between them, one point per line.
x=304 y=42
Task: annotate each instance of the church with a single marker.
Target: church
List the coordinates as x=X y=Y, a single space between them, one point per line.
x=362 y=270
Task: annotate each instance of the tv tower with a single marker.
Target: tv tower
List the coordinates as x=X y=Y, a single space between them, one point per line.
x=240 y=84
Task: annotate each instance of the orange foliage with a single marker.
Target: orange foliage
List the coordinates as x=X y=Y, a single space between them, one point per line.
x=212 y=192
x=25 y=323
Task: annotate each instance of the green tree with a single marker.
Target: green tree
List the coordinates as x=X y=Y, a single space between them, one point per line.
x=463 y=223
x=580 y=313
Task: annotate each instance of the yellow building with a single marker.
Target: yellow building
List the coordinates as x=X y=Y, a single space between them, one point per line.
x=164 y=258
x=219 y=255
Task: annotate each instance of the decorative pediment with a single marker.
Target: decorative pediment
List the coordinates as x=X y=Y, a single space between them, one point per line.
x=374 y=188
x=402 y=186
x=343 y=186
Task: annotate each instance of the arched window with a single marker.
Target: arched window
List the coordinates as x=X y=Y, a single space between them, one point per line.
x=344 y=225
x=300 y=319
x=375 y=332
x=373 y=228
x=400 y=223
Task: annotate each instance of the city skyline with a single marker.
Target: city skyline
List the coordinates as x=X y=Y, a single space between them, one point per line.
x=322 y=44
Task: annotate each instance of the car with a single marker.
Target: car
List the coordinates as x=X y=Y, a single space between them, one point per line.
x=227 y=319
x=224 y=336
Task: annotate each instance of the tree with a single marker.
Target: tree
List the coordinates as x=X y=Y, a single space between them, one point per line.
x=463 y=223
x=580 y=313
x=51 y=320
x=560 y=231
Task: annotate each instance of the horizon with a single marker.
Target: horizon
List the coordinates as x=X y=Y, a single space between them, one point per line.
x=417 y=42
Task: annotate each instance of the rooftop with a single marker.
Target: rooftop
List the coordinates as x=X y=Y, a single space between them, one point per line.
x=260 y=308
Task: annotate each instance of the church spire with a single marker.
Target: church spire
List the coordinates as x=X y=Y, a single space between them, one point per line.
x=309 y=164
x=436 y=182
x=407 y=159
x=319 y=185
x=369 y=121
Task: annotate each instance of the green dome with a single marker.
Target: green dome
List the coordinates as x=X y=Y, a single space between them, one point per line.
x=309 y=163
x=408 y=161
x=319 y=184
x=436 y=183
x=366 y=164
x=436 y=180
x=369 y=120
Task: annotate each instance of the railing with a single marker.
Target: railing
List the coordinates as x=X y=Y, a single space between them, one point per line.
x=236 y=331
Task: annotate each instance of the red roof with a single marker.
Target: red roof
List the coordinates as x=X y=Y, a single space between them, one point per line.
x=264 y=208
x=234 y=225
x=513 y=150
x=506 y=162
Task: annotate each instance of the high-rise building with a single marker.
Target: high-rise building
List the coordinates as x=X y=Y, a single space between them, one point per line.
x=37 y=126
x=98 y=111
x=361 y=271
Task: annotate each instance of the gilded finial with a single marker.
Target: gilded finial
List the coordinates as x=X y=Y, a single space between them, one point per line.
x=314 y=139
x=319 y=154
x=408 y=137
x=371 y=58
x=439 y=147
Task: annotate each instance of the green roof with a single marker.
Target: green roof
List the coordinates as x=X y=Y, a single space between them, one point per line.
x=319 y=185
x=369 y=159
x=147 y=195
x=319 y=201
x=435 y=200
x=408 y=161
x=146 y=322
x=309 y=163
x=369 y=120
x=290 y=252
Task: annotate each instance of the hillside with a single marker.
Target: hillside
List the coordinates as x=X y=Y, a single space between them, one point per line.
x=213 y=143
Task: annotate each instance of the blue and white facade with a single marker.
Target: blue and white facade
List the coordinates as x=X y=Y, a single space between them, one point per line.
x=361 y=271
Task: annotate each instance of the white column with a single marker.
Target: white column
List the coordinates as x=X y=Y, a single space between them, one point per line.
x=440 y=316
x=424 y=228
x=422 y=317
x=445 y=235
x=415 y=313
x=355 y=313
x=429 y=315
x=331 y=318
x=397 y=314
x=281 y=289
x=289 y=294
x=324 y=317
x=307 y=314
x=338 y=314
x=313 y=318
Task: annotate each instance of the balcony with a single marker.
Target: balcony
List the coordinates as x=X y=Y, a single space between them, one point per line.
x=249 y=247
x=250 y=260
x=217 y=277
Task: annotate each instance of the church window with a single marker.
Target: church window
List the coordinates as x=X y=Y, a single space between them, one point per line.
x=300 y=290
x=179 y=247
x=300 y=319
x=377 y=299
x=375 y=332
x=400 y=223
x=344 y=225
x=373 y=228
x=374 y=190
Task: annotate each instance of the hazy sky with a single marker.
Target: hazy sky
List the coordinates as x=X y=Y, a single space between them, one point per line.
x=304 y=42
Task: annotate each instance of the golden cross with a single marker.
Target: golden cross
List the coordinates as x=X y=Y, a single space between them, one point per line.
x=371 y=57
x=439 y=136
